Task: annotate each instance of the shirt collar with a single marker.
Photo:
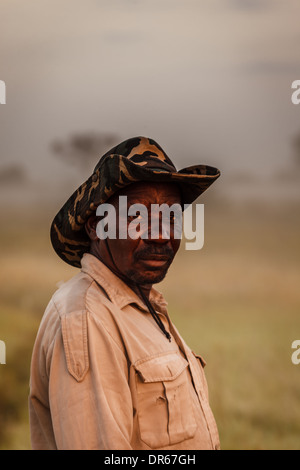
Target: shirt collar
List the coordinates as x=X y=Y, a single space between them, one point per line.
x=118 y=292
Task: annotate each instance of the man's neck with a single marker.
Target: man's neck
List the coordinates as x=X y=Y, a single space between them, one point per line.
x=146 y=290
x=107 y=261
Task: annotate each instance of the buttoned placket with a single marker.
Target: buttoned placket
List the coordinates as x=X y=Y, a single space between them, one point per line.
x=198 y=387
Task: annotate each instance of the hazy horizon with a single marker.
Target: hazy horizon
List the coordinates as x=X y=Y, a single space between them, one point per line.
x=210 y=81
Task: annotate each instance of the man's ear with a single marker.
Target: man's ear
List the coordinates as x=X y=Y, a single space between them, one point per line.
x=91 y=225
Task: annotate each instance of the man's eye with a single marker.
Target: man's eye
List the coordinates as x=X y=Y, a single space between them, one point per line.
x=134 y=217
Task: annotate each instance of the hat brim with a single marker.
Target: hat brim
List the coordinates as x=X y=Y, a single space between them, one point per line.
x=68 y=236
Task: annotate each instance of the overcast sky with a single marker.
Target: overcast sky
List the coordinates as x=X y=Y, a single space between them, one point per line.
x=210 y=80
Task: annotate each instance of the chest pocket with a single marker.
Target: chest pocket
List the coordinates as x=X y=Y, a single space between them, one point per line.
x=165 y=409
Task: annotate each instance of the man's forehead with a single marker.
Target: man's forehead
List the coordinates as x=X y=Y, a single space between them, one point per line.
x=150 y=190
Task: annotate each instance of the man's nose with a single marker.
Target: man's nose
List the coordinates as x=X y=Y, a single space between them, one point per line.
x=158 y=230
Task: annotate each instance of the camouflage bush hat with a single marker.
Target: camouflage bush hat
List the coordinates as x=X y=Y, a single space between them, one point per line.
x=135 y=159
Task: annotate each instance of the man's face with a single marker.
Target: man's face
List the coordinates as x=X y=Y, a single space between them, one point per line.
x=144 y=261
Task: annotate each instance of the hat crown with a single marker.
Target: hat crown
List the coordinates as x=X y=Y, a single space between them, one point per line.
x=142 y=151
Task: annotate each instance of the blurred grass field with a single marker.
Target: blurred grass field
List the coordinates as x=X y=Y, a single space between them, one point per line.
x=236 y=302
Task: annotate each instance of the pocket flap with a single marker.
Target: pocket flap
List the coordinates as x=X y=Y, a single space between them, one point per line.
x=161 y=368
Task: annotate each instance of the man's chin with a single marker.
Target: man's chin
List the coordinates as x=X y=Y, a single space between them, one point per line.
x=146 y=278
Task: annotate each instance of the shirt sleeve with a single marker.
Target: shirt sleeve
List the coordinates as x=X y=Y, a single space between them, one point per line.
x=89 y=396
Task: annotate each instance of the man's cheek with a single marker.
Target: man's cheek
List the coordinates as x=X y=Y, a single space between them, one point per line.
x=123 y=251
x=175 y=245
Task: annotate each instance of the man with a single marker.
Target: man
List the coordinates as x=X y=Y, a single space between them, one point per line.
x=109 y=369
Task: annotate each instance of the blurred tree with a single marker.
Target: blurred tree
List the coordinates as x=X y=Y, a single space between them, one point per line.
x=296 y=148
x=12 y=174
x=82 y=150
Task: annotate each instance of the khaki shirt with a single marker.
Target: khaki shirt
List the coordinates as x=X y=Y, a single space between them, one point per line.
x=104 y=376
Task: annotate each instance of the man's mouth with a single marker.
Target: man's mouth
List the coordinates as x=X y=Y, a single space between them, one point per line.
x=155 y=257
x=155 y=261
